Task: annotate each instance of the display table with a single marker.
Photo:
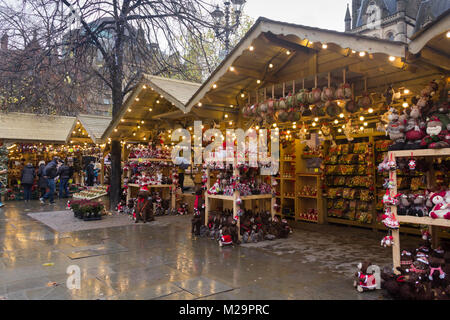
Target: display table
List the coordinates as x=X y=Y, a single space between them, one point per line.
x=233 y=198
x=433 y=224
x=161 y=186
x=91 y=193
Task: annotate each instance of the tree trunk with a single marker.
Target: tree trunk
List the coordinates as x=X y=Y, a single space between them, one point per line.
x=116 y=174
x=116 y=152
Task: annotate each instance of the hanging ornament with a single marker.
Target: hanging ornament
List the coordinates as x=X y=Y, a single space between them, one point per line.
x=392 y=164
x=348 y=130
x=412 y=163
x=387 y=241
x=389 y=219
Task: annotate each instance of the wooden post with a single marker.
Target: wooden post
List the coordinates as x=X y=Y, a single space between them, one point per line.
x=395 y=232
x=273 y=91
x=208 y=181
x=284 y=90
x=293 y=87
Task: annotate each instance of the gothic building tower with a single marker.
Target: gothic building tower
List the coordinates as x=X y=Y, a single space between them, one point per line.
x=392 y=19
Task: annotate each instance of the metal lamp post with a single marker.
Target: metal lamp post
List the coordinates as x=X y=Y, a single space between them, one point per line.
x=224 y=30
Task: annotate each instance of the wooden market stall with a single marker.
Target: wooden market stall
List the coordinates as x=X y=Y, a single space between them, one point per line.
x=86 y=137
x=151 y=111
x=31 y=138
x=280 y=60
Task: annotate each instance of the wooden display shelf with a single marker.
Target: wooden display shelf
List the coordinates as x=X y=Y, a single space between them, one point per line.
x=424 y=220
x=433 y=224
x=307 y=220
x=172 y=193
x=148 y=159
x=151 y=185
x=349 y=222
x=308 y=174
x=306 y=196
x=233 y=198
x=421 y=153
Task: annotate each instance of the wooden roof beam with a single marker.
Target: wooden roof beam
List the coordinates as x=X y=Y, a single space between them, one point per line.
x=270 y=37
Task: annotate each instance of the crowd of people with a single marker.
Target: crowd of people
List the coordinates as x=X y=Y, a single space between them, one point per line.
x=46 y=176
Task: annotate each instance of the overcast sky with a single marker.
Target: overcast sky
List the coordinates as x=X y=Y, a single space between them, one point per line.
x=325 y=14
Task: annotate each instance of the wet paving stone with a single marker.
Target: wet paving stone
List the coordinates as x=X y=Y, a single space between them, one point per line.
x=164 y=261
x=202 y=286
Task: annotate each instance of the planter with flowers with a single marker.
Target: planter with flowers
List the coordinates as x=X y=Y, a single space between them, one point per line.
x=87 y=209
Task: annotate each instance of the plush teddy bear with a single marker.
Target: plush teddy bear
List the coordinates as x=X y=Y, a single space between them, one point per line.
x=396 y=130
x=440 y=209
x=437 y=136
x=404 y=205
x=364 y=281
x=415 y=129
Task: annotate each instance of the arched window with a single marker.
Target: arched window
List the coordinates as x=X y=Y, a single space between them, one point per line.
x=390 y=36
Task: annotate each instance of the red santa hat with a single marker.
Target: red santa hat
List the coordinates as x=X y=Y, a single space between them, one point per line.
x=144 y=188
x=442 y=194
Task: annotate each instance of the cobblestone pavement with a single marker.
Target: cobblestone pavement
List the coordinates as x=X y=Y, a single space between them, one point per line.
x=162 y=260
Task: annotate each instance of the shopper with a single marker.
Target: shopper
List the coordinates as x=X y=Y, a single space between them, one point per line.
x=42 y=182
x=27 y=180
x=50 y=173
x=90 y=174
x=64 y=176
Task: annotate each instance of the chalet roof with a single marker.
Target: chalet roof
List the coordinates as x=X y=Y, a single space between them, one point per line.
x=26 y=127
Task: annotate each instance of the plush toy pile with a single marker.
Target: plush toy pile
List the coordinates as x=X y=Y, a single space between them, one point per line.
x=254 y=227
x=425 y=124
x=424 y=274
x=161 y=206
x=149 y=153
x=247 y=182
x=151 y=173
x=421 y=202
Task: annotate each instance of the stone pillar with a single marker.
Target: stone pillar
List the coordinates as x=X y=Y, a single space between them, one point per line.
x=401 y=24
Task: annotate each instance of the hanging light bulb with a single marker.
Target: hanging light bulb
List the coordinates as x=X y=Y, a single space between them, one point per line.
x=361 y=118
x=336 y=121
x=316 y=119
x=365 y=124
x=370 y=110
x=313 y=124
x=341 y=115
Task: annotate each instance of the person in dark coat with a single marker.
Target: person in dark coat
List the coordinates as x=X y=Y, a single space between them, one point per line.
x=27 y=180
x=42 y=182
x=64 y=176
x=90 y=174
x=50 y=173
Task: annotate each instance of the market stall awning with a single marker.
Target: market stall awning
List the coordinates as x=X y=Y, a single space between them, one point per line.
x=94 y=125
x=280 y=56
x=152 y=105
x=26 y=127
x=431 y=44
